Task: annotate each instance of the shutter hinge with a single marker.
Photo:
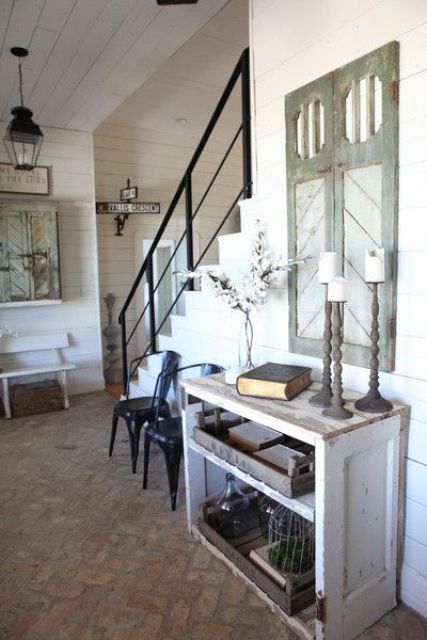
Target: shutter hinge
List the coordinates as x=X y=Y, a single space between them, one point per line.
x=321 y=607
x=394 y=91
x=392 y=328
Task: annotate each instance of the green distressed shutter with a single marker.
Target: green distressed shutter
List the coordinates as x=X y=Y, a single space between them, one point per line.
x=17 y=272
x=44 y=254
x=309 y=157
x=360 y=202
x=29 y=258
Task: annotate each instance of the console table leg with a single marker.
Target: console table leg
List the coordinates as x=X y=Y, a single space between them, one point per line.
x=330 y=517
x=194 y=467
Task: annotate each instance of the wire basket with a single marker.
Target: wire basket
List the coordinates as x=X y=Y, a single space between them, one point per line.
x=291 y=541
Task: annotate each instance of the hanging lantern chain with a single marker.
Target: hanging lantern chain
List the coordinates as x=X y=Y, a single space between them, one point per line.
x=21 y=93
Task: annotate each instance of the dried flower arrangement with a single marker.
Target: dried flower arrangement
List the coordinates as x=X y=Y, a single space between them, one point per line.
x=251 y=292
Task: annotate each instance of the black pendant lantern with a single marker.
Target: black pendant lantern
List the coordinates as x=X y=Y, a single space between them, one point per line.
x=23 y=138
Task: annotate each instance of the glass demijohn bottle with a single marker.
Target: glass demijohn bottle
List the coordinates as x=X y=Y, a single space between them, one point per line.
x=231 y=509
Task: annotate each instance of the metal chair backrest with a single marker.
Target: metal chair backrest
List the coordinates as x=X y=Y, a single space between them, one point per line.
x=170 y=361
x=206 y=369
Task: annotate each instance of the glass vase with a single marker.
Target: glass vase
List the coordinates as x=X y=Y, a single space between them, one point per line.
x=246 y=339
x=231 y=510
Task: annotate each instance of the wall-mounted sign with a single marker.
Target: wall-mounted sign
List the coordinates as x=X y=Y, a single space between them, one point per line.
x=128 y=207
x=129 y=193
x=34 y=182
x=123 y=209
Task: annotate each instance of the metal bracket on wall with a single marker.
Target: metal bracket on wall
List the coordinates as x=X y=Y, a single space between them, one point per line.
x=120 y=220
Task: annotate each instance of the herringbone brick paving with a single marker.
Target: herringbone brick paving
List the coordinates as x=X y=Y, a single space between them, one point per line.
x=87 y=555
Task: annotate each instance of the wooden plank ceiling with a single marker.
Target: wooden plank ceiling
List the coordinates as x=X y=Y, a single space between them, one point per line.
x=87 y=56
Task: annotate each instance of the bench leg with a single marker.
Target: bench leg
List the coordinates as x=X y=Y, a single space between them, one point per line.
x=6 y=401
x=63 y=382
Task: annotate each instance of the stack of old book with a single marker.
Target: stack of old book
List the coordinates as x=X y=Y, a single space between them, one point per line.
x=274 y=381
x=264 y=443
x=253 y=436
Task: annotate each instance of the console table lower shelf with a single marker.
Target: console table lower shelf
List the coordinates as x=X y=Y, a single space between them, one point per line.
x=356 y=505
x=303 y=623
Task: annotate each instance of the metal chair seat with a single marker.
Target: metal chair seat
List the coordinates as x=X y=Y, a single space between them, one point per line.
x=168 y=430
x=143 y=407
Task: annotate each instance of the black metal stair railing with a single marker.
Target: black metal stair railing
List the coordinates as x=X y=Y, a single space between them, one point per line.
x=241 y=72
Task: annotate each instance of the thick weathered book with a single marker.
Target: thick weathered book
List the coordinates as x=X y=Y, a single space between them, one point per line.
x=273 y=380
x=260 y=558
x=253 y=436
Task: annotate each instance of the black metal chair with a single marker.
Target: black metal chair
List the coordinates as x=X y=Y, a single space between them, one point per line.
x=138 y=411
x=167 y=433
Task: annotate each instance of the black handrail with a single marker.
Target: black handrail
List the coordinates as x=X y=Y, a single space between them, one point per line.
x=240 y=71
x=179 y=242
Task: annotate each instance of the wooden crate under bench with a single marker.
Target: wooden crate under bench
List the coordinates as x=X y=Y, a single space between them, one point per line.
x=35 y=397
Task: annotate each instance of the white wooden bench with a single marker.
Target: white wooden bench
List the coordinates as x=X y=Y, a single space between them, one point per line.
x=27 y=344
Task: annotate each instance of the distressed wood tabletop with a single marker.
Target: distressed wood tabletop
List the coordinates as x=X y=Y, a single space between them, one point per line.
x=297 y=417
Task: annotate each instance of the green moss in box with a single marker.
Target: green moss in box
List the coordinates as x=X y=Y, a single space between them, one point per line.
x=292 y=556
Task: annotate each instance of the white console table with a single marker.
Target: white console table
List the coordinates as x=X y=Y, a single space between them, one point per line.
x=356 y=506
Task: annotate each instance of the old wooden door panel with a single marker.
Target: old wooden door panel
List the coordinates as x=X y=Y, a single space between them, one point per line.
x=39 y=230
x=44 y=250
x=309 y=138
x=29 y=252
x=17 y=268
x=361 y=228
x=365 y=519
x=310 y=235
x=366 y=184
x=358 y=161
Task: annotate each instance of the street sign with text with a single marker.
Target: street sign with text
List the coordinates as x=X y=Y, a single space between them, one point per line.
x=127 y=207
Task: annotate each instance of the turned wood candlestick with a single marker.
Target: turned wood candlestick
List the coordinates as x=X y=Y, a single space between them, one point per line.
x=373 y=402
x=324 y=396
x=337 y=410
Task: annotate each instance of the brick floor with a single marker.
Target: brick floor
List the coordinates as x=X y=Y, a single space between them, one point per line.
x=87 y=555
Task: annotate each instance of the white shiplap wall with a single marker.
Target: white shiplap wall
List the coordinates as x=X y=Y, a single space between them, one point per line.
x=70 y=156
x=294 y=42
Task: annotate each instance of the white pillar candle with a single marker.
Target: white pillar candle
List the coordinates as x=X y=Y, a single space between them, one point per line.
x=374 y=266
x=338 y=290
x=327 y=266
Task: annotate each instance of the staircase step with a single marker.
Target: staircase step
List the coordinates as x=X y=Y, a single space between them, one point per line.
x=249 y=213
x=196 y=347
x=134 y=390
x=219 y=322
x=234 y=247
x=151 y=365
x=168 y=343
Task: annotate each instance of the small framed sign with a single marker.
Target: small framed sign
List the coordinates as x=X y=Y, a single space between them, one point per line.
x=129 y=193
x=34 y=182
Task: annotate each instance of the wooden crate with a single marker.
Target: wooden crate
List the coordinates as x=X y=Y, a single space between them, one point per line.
x=35 y=397
x=296 y=482
x=217 y=421
x=299 y=590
